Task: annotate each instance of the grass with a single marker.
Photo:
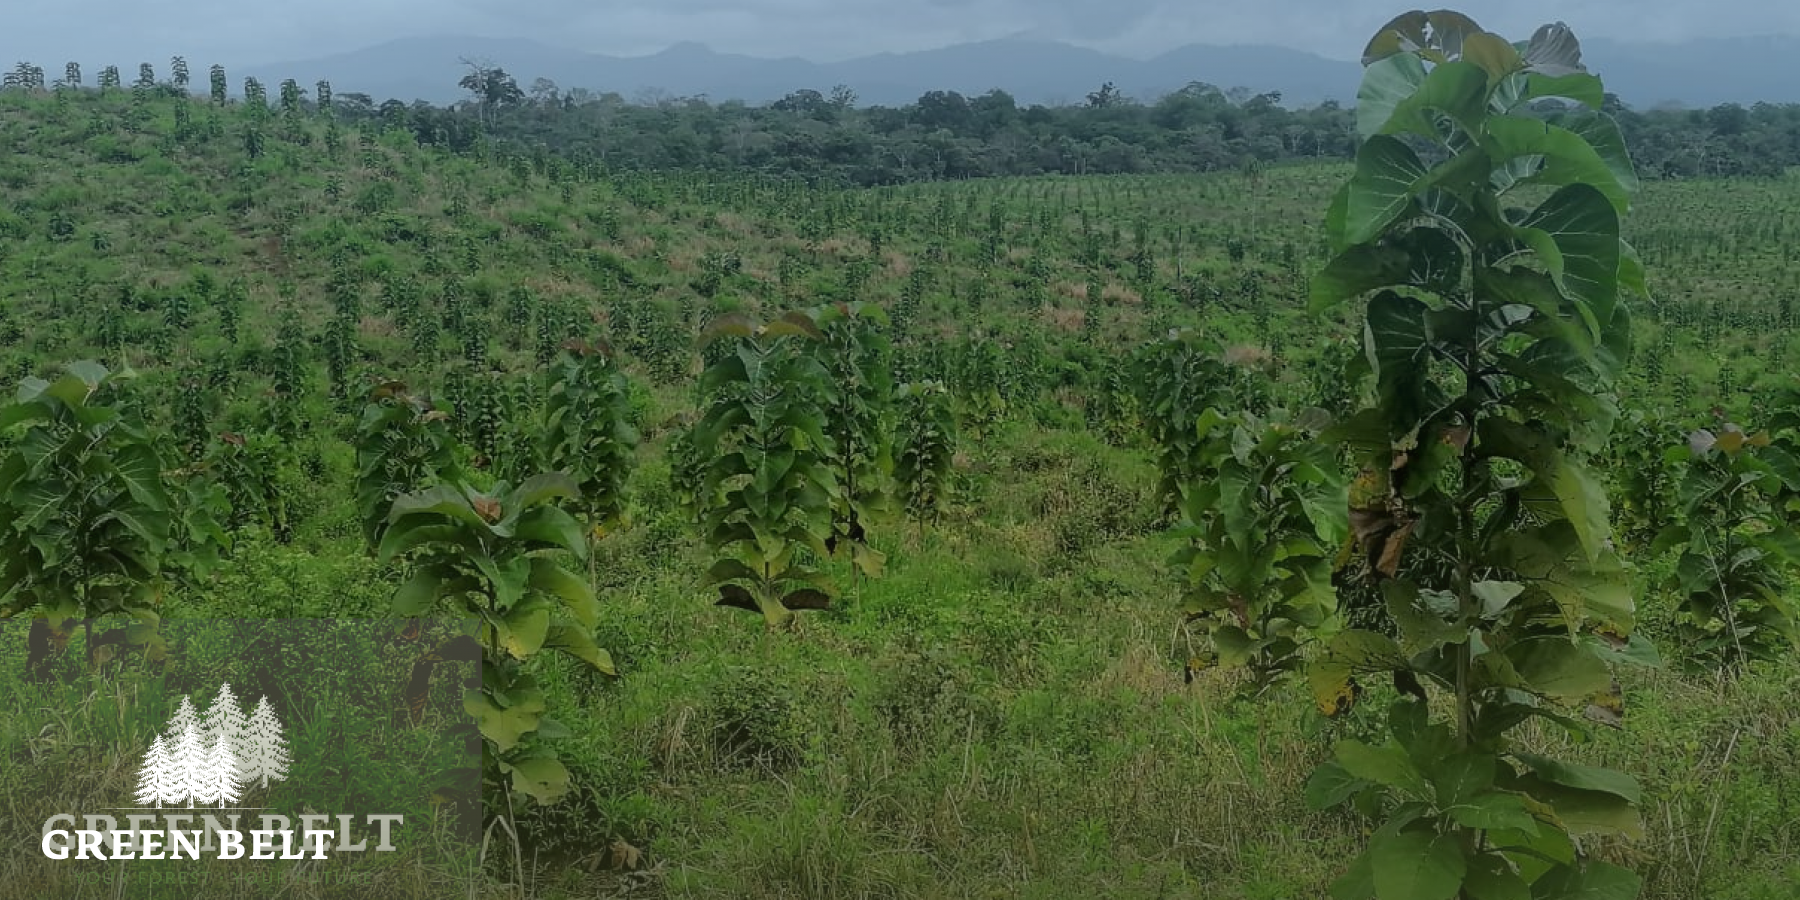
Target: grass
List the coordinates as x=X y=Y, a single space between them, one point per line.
x=1005 y=713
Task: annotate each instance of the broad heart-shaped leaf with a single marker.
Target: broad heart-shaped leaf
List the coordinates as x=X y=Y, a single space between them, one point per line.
x=1491 y=878
x=1587 y=778
x=1422 y=257
x=1414 y=865
x=579 y=644
x=1492 y=55
x=1582 y=812
x=550 y=578
x=1358 y=882
x=1558 y=316
x=1553 y=50
x=1386 y=85
x=73 y=390
x=524 y=628
x=544 y=778
x=1337 y=217
x=1421 y=628
x=735 y=324
x=1495 y=596
x=1387 y=765
x=440 y=500
x=139 y=468
x=728 y=569
x=1494 y=810
x=1594 y=881
x=419 y=593
x=1526 y=87
x=503 y=725
x=1330 y=785
x=539 y=489
x=1549 y=560
x=552 y=526
x=1402 y=34
x=1397 y=339
x=1632 y=275
x=1455 y=89
x=22 y=412
x=1567 y=157
x=1356 y=271
x=1558 y=667
x=1437 y=35
x=1347 y=654
x=1388 y=174
x=419 y=531
x=1398 y=336
x=1583 y=502
x=868 y=560
x=806 y=598
x=92 y=374
x=1602 y=133
x=1459 y=776
x=1575 y=233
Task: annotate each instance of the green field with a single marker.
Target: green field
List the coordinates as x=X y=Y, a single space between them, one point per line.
x=1009 y=709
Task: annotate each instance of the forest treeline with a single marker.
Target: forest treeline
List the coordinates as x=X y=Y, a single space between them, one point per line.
x=829 y=138
x=946 y=135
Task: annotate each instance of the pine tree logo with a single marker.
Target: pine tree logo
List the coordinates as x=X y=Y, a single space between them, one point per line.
x=213 y=760
x=265 y=751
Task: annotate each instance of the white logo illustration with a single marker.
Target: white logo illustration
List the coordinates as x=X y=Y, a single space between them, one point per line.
x=215 y=759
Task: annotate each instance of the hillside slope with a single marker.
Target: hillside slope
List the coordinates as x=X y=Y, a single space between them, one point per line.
x=1004 y=711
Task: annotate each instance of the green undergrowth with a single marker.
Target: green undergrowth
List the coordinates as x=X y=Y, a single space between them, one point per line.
x=1004 y=715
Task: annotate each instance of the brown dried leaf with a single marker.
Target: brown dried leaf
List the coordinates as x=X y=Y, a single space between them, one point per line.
x=488 y=509
x=1392 y=546
x=1456 y=436
x=1607 y=707
x=624 y=856
x=1370 y=522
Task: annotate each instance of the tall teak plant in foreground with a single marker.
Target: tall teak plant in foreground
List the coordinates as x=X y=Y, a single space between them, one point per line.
x=588 y=434
x=767 y=489
x=854 y=351
x=1487 y=232
x=494 y=556
x=87 y=519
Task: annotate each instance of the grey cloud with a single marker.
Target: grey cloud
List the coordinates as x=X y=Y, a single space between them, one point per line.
x=123 y=32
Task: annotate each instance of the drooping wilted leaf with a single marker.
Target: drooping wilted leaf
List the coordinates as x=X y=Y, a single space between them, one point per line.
x=1554 y=51
x=1414 y=865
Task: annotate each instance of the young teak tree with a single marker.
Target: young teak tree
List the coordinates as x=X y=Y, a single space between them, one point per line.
x=1178 y=377
x=926 y=448
x=88 y=517
x=1264 y=517
x=403 y=444
x=767 y=488
x=856 y=355
x=1495 y=330
x=492 y=557
x=1736 y=548
x=588 y=434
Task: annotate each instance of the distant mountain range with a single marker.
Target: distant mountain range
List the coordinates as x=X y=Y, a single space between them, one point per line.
x=1696 y=73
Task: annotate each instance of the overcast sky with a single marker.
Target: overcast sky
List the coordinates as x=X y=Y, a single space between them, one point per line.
x=125 y=32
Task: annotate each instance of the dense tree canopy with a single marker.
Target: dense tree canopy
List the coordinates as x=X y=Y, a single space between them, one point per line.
x=946 y=135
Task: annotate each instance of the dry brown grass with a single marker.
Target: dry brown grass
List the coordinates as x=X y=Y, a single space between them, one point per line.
x=376 y=327
x=840 y=247
x=1118 y=293
x=733 y=224
x=1068 y=320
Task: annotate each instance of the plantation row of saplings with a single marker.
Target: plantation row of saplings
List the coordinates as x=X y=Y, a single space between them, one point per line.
x=1452 y=506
